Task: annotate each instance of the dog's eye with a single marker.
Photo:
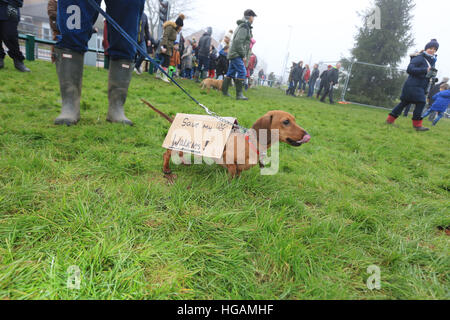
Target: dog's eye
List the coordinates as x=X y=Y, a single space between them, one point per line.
x=286 y=122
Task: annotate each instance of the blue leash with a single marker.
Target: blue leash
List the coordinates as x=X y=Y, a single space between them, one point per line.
x=145 y=54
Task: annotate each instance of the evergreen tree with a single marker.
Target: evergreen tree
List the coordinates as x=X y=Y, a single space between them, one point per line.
x=385 y=46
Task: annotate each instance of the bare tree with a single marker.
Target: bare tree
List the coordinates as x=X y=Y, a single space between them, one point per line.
x=176 y=7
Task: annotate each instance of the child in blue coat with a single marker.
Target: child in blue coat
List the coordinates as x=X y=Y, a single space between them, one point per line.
x=442 y=100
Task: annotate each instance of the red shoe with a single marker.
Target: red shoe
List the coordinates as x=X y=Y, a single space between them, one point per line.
x=390 y=120
x=417 y=124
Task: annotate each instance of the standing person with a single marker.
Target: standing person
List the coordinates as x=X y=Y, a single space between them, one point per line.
x=204 y=49
x=306 y=76
x=143 y=41
x=323 y=80
x=433 y=91
x=272 y=79
x=222 y=63
x=291 y=79
x=250 y=64
x=73 y=43
x=186 y=61
x=175 y=60
x=331 y=80
x=312 y=82
x=9 y=20
x=212 y=63
x=226 y=41
x=253 y=63
x=239 y=54
x=296 y=78
x=442 y=100
x=260 y=76
x=170 y=34
x=420 y=72
x=301 y=71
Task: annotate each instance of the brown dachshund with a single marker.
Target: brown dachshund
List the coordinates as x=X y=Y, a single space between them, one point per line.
x=235 y=159
x=212 y=83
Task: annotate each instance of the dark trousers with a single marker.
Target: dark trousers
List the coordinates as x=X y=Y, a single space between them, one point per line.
x=321 y=87
x=10 y=37
x=203 y=63
x=407 y=110
x=328 y=91
x=296 y=85
x=403 y=104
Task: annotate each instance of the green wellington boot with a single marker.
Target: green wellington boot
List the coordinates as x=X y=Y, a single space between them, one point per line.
x=69 y=67
x=120 y=72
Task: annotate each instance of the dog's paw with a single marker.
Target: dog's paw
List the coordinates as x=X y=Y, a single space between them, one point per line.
x=171 y=178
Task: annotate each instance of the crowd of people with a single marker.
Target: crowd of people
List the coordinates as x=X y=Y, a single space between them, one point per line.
x=232 y=61
x=302 y=76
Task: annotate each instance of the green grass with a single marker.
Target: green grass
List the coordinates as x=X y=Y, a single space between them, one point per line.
x=93 y=195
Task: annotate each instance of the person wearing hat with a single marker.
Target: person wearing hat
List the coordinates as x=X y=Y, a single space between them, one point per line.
x=239 y=54
x=415 y=87
x=204 y=50
x=170 y=34
x=323 y=80
x=75 y=20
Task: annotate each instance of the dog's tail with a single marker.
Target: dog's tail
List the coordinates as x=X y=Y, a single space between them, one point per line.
x=162 y=114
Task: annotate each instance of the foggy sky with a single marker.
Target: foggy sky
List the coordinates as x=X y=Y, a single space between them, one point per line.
x=322 y=30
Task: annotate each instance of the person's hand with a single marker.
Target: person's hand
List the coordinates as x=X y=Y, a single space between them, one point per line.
x=245 y=60
x=149 y=43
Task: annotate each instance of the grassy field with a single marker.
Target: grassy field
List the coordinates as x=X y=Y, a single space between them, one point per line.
x=94 y=196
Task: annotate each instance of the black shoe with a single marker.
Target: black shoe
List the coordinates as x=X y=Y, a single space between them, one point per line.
x=2 y=64
x=422 y=129
x=20 y=66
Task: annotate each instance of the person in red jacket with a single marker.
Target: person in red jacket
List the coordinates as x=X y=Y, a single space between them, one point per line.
x=306 y=77
x=252 y=63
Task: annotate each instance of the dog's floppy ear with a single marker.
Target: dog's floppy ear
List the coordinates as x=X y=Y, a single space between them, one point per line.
x=264 y=123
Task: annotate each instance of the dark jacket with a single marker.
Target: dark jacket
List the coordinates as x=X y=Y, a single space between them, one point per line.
x=222 y=63
x=314 y=75
x=240 y=47
x=323 y=76
x=442 y=100
x=213 y=60
x=297 y=73
x=333 y=76
x=417 y=83
x=14 y=3
x=144 y=31
x=204 y=45
x=4 y=8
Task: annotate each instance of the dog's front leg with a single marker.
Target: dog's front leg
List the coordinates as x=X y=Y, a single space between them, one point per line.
x=166 y=166
x=233 y=171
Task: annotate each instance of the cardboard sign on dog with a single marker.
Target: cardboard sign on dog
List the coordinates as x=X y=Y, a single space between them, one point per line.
x=199 y=135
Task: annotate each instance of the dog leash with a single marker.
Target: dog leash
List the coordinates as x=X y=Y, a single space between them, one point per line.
x=146 y=55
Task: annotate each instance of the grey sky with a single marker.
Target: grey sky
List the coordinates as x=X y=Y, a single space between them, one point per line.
x=321 y=29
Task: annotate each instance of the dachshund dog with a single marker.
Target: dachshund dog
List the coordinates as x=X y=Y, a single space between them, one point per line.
x=212 y=83
x=241 y=150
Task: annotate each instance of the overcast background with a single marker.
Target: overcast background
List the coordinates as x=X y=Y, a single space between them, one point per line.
x=322 y=30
